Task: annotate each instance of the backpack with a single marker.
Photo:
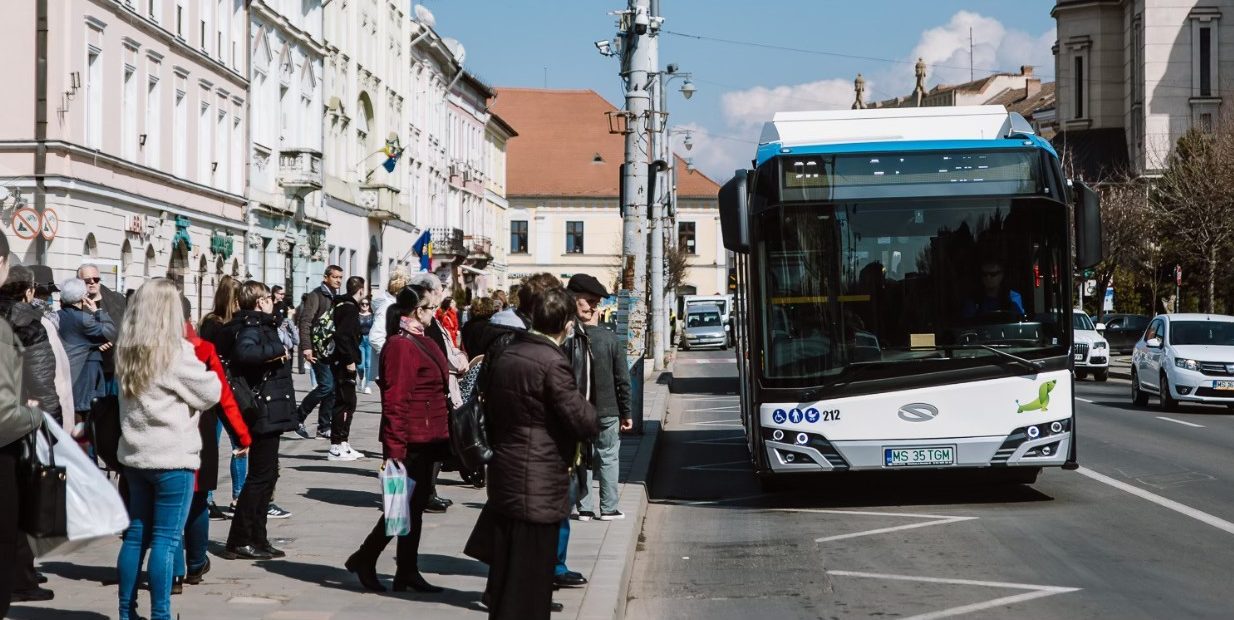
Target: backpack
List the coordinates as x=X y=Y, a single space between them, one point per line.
x=322 y=334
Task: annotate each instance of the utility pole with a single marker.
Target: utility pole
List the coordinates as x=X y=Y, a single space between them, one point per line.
x=637 y=28
x=659 y=134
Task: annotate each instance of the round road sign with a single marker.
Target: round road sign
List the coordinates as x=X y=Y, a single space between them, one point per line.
x=26 y=223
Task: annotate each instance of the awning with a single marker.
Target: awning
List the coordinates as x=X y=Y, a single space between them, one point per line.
x=479 y=272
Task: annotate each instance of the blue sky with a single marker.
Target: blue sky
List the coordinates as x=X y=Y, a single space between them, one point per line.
x=538 y=43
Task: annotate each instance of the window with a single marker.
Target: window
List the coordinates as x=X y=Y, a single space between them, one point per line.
x=203 y=140
x=685 y=237
x=153 y=9
x=179 y=162
x=128 y=122
x=1206 y=61
x=180 y=20
x=518 y=237
x=1079 y=87
x=574 y=237
x=219 y=165
x=154 y=109
x=94 y=99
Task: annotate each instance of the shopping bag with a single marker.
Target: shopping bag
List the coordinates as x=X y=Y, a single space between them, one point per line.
x=93 y=506
x=396 y=490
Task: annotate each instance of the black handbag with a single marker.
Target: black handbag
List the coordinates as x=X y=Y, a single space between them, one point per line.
x=468 y=434
x=43 y=488
x=246 y=401
x=104 y=428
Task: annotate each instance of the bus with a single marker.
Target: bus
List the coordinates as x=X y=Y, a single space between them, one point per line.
x=904 y=293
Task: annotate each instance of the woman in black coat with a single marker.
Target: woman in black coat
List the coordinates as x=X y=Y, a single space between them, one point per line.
x=251 y=345
x=534 y=433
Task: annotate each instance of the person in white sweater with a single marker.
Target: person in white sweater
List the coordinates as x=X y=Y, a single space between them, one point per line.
x=163 y=389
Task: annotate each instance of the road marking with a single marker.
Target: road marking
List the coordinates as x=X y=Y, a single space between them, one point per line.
x=735 y=440
x=725 y=466
x=1085 y=400
x=1035 y=592
x=1182 y=509
x=707 y=397
x=935 y=520
x=722 y=408
x=1161 y=417
x=707 y=361
x=730 y=423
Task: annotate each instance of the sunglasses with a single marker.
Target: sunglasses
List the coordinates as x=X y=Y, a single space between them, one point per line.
x=91 y=280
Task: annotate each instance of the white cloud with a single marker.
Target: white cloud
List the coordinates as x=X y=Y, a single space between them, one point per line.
x=755 y=106
x=716 y=155
x=945 y=50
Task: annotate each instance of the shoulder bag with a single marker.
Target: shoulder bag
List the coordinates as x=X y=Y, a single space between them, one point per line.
x=468 y=432
x=43 y=488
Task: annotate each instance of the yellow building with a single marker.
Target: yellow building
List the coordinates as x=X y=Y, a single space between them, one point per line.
x=563 y=193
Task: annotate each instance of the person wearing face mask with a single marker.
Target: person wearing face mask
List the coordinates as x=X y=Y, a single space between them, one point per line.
x=535 y=436
x=414 y=431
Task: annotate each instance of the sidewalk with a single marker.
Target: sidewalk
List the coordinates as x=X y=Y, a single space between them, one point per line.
x=334 y=505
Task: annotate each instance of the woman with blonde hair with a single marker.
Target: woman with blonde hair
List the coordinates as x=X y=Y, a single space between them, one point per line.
x=163 y=389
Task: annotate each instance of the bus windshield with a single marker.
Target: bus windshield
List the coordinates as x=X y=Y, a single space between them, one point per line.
x=949 y=282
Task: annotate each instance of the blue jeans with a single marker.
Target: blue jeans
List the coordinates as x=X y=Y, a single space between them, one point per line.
x=563 y=532
x=196 y=536
x=365 y=369
x=322 y=393
x=608 y=449
x=158 y=507
x=239 y=466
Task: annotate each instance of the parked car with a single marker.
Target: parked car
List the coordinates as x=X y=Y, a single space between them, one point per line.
x=1123 y=330
x=705 y=327
x=1185 y=358
x=1091 y=351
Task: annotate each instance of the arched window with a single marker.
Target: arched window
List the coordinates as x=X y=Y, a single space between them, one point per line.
x=151 y=263
x=90 y=249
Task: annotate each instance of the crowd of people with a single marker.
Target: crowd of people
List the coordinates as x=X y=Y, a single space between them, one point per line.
x=553 y=380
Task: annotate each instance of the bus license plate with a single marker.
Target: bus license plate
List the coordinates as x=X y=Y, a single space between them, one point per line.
x=931 y=455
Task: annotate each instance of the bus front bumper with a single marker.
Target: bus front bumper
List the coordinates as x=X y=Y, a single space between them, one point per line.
x=816 y=453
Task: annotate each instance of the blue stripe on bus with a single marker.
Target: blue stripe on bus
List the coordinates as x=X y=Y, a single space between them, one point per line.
x=773 y=149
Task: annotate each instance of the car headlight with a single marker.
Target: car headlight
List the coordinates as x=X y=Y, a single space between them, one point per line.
x=1099 y=345
x=1187 y=364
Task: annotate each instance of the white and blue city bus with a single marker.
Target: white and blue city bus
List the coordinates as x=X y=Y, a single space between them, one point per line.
x=904 y=292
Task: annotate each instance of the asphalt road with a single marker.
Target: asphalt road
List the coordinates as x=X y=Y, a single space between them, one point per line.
x=1141 y=531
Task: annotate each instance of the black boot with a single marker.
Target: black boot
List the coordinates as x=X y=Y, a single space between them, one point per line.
x=416 y=582
x=366 y=573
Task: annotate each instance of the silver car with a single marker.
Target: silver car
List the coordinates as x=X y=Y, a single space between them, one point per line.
x=705 y=328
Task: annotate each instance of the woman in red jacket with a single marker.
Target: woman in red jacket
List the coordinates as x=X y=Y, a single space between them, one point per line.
x=414 y=431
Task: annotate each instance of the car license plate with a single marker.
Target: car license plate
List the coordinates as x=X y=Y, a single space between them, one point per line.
x=1079 y=357
x=927 y=455
x=1223 y=385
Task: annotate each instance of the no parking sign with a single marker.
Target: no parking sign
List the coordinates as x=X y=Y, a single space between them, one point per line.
x=26 y=223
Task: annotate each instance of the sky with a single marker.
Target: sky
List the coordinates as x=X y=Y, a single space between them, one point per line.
x=752 y=59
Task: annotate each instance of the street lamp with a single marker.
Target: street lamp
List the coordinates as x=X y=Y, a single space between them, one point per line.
x=687 y=89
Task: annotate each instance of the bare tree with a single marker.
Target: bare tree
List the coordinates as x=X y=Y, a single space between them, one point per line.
x=676 y=261
x=1129 y=230
x=1194 y=201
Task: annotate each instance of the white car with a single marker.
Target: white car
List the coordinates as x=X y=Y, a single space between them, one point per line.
x=1185 y=358
x=1092 y=352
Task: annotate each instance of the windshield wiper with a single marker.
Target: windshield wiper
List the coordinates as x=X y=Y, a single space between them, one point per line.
x=1033 y=365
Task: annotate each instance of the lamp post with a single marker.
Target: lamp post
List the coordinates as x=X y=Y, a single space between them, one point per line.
x=666 y=191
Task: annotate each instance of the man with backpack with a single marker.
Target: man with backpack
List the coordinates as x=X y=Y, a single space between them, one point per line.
x=315 y=320
x=345 y=357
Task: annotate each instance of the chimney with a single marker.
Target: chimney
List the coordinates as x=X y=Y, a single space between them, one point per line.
x=1032 y=86
x=1026 y=70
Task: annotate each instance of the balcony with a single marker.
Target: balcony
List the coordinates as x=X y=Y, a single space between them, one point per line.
x=380 y=201
x=300 y=169
x=479 y=249
x=448 y=242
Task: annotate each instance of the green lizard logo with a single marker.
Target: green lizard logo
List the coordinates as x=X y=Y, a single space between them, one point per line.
x=1043 y=398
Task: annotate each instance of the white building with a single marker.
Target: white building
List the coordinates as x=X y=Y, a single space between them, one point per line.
x=467 y=223
x=1134 y=75
x=285 y=126
x=490 y=247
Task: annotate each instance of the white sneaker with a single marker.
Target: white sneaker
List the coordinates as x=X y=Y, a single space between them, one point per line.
x=368 y=390
x=338 y=453
x=354 y=454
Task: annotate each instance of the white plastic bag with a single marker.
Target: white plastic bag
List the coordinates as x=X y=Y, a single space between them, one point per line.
x=95 y=510
x=396 y=498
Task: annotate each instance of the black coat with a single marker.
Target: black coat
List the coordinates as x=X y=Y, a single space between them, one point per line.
x=38 y=358
x=347 y=334
x=115 y=304
x=473 y=337
x=536 y=417
x=610 y=376
x=250 y=344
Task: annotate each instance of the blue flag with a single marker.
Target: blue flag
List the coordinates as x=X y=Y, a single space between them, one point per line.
x=424 y=248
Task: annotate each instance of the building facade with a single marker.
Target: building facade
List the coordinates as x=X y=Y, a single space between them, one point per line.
x=131 y=154
x=460 y=242
x=284 y=217
x=564 y=215
x=490 y=247
x=1134 y=75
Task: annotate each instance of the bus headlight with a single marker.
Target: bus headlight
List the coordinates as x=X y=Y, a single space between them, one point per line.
x=802 y=439
x=1056 y=427
x=1033 y=432
x=777 y=435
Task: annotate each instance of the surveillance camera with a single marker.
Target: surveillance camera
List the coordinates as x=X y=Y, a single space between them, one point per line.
x=672 y=67
x=641 y=21
x=605 y=47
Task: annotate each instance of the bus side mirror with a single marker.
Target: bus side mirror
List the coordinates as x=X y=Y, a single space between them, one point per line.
x=1089 y=237
x=735 y=212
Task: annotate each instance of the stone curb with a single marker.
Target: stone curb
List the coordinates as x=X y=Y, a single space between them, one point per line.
x=605 y=598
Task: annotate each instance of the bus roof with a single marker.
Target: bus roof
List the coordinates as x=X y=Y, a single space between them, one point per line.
x=987 y=126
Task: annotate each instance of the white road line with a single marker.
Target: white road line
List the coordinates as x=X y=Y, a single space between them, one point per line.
x=723 y=408
x=934 y=520
x=725 y=466
x=1161 y=417
x=732 y=423
x=706 y=361
x=1084 y=400
x=708 y=397
x=1035 y=592
x=1182 y=509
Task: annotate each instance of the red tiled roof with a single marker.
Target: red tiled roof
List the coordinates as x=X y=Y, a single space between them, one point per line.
x=564 y=147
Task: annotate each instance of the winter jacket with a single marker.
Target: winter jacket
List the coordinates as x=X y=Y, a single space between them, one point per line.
x=473 y=336
x=536 y=417
x=16 y=418
x=64 y=372
x=158 y=428
x=251 y=346
x=412 y=379
x=347 y=331
x=226 y=411
x=82 y=333
x=316 y=304
x=448 y=319
x=378 y=334
x=455 y=359
x=610 y=377
x=38 y=358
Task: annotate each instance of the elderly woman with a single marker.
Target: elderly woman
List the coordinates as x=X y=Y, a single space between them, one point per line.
x=86 y=331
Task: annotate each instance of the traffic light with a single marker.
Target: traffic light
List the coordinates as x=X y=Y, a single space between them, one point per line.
x=732 y=279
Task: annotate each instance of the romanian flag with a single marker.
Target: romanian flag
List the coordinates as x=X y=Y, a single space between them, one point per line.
x=393 y=152
x=424 y=248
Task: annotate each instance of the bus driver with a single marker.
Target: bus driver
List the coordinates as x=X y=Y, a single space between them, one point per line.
x=995 y=296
